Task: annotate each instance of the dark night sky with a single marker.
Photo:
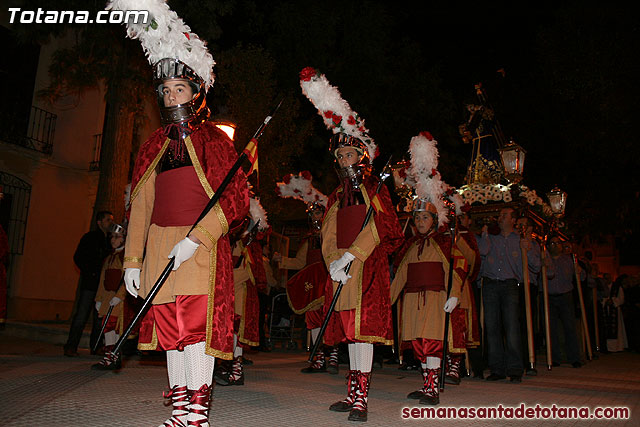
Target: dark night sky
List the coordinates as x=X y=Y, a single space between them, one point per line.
x=568 y=94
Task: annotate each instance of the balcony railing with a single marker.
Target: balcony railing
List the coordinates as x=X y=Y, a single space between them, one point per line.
x=42 y=127
x=39 y=133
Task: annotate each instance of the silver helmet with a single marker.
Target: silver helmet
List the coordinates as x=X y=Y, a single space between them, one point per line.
x=356 y=172
x=312 y=208
x=190 y=114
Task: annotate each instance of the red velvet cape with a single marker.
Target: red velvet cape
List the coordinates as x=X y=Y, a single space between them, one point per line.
x=216 y=154
x=250 y=333
x=375 y=319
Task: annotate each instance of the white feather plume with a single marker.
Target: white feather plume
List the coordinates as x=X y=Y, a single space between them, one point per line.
x=423 y=175
x=330 y=105
x=165 y=35
x=257 y=212
x=299 y=187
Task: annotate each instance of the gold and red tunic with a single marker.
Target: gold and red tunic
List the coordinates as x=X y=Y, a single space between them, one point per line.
x=164 y=206
x=110 y=286
x=423 y=275
x=249 y=278
x=364 y=300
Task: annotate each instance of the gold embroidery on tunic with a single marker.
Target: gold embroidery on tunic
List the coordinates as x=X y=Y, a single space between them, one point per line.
x=149 y=171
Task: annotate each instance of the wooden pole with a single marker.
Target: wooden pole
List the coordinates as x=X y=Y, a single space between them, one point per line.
x=466 y=362
x=399 y=319
x=482 y=340
x=447 y=315
x=595 y=318
x=545 y=293
x=527 y=307
x=585 y=326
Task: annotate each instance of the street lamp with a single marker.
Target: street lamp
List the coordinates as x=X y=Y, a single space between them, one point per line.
x=227 y=127
x=513 y=160
x=558 y=201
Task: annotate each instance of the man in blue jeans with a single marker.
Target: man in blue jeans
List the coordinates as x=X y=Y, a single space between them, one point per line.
x=561 y=273
x=502 y=272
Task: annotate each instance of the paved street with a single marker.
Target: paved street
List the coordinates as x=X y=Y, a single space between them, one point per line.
x=40 y=387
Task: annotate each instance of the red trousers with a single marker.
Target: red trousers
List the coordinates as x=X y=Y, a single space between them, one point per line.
x=314 y=318
x=424 y=347
x=181 y=323
x=112 y=322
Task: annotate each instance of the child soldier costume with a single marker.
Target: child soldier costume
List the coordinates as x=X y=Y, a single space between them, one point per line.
x=110 y=293
x=362 y=313
x=465 y=315
x=423 y=272
x=305 y=290
x=176 y=172
x=249 y=277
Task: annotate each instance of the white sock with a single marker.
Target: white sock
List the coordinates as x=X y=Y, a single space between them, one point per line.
x=176 y=368
x=314 y=335
x=111 y=338
x=199 y=366
x=237 y=349
x=237 y=352
x=423 y=366
x=353 y=365
x=364 y=355
x=177 y=378
x=433 y=363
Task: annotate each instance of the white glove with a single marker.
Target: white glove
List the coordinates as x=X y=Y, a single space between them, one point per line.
x=115 y=301
x=132 y=280
x=340 y=264
x=182 y=251
x=340 y=276
x=98 y=304
x=450 y=304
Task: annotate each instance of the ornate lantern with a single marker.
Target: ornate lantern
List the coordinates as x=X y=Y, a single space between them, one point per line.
x=558 y=201
x=513 y=160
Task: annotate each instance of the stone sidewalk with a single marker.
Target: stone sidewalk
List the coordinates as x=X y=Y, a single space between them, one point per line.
x=40 y=387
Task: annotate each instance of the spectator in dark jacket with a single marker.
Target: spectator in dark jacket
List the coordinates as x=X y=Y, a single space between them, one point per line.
x=91 y=251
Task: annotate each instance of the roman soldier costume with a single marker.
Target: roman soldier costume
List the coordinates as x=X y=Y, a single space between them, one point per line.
x=362 y=313
x=422 y=274
x=465 y=316
x=110 y=293
x=175 y=174
x=305 y=290
x=249 y=277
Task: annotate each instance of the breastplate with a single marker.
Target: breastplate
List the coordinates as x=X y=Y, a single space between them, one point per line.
x=176 y=156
